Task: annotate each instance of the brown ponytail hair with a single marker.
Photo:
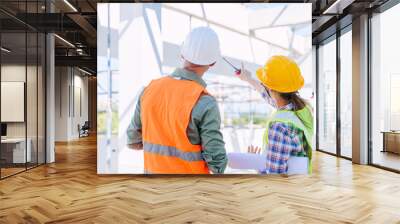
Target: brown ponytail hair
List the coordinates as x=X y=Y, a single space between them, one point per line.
x=294 y=98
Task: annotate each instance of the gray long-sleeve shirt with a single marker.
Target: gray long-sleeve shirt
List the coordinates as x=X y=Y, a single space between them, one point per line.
x=204 y=126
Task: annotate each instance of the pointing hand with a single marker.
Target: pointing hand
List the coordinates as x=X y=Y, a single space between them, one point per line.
x=244 y=74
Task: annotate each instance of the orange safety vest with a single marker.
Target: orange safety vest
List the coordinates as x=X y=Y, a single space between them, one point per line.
x=166 y=107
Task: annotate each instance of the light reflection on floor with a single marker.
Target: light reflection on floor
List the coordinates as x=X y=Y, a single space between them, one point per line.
x=386 y=159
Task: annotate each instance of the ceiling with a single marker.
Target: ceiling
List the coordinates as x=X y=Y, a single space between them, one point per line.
x=75 y=22
x=332 y=15
x=75 y=42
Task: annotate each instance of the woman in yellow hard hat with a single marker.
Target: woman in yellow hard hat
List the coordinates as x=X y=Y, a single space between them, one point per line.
x=287 y=142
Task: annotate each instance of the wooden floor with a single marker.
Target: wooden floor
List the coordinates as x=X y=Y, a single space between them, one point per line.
x=70 y=191
x=386 y=159
x=5 y=172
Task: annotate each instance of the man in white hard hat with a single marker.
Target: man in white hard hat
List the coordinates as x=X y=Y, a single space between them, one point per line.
x=177 y=122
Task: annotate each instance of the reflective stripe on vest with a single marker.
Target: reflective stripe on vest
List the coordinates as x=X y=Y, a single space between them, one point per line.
x=166 y=107
x=286 y=116
x=172 y=151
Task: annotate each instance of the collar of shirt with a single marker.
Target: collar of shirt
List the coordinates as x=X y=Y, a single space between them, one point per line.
x=188 y=75
x=288 y=106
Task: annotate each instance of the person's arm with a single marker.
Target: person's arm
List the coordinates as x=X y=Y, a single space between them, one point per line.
x=282 y=141
x=134 y=131
x=245 y=75
x=213 y=145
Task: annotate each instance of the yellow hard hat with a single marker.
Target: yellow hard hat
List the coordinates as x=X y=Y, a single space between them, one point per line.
x=281 y=74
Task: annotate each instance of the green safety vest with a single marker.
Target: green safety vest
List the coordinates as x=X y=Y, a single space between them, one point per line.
x=301 y=119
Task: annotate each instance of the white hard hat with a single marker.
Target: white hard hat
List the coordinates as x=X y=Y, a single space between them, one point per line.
x=201 y=46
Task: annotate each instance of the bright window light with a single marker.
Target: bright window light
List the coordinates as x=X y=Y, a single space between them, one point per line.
x=84 y=71
x=5 y=50
x=174 y=25
x=64 y=40
x=70 y=5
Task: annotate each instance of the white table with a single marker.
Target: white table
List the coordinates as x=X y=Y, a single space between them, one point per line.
x=19 y=155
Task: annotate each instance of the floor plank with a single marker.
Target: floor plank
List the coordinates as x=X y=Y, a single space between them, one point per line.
x=70 y=191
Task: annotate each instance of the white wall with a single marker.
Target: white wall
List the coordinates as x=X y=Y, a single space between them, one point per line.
x=16 y=73
x=61 y=105
x=33 y=126
x=12 y=73
x=80 y=108
x=71 y=94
